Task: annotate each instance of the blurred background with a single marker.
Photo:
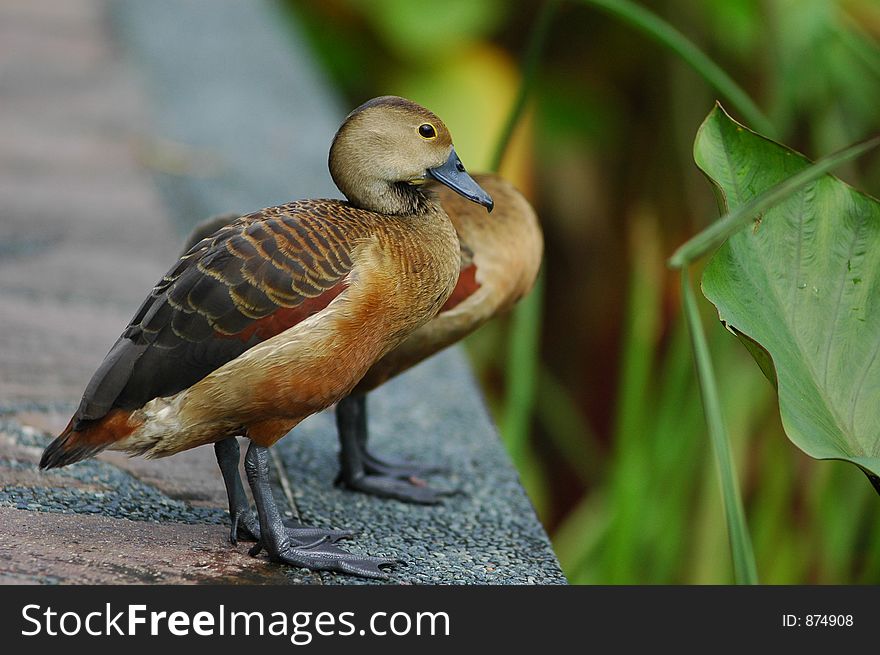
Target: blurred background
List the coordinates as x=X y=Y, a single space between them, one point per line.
x=597 y=399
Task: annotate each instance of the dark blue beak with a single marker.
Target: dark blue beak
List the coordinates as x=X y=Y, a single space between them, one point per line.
x=453 y=175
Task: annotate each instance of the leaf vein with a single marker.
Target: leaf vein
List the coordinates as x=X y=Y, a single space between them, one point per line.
x=836 y=315
x=860 y=386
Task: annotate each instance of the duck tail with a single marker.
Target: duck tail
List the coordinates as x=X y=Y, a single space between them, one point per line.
x=82 y=439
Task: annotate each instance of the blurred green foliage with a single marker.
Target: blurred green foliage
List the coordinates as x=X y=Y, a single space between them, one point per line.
x=617 y=461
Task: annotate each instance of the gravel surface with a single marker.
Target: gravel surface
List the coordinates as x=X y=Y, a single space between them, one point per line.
x=485 y=534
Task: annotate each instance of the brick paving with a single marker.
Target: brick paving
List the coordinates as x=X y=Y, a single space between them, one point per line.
x=83 y=235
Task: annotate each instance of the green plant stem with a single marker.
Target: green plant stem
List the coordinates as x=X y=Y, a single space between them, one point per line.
x=745 y=570
x=714 y=235
x=565 y=428
x=523 y=362
x=531 y=59
x=640 y=18
x=523 y=356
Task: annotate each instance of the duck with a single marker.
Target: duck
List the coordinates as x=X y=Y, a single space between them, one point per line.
x=279 y=315
x=499 y=263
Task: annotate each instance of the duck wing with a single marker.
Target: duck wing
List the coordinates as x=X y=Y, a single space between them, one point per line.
x=249 y=281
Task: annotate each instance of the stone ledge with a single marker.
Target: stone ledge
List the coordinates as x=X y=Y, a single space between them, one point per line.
x=239 y=120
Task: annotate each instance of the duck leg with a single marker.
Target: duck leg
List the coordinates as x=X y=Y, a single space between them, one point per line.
x=321 y=554
x=244 y=522
x=362 y=471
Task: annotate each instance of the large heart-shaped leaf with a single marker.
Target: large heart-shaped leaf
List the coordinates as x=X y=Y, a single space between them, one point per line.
x=803 y=284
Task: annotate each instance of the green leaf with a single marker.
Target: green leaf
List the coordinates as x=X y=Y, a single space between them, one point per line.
x=741 y=215
x=803 y=283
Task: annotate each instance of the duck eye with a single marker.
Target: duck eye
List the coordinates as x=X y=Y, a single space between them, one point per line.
x=427 y=131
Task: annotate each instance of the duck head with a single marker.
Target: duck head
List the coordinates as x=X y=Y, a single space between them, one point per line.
x=389 y=146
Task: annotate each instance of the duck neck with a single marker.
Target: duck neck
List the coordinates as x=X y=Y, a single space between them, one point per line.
x=392 y=198
x=365 y=188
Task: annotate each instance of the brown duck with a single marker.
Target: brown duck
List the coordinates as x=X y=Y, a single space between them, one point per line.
x=500 y=259
x=280 y=314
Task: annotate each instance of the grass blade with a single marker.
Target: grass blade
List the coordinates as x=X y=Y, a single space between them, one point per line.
x=745 y=570
x=523 y=362
x=566 y=429
x=633 y=469
x=531 y=58
x=523 y=358
x=640 y=18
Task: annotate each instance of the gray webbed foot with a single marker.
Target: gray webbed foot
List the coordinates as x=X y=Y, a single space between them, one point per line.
x=299 y=534
x=318 y=554
x=408 y=491
x=362 y=471
x=396 y=469
x=245 y=523
x=322 y=555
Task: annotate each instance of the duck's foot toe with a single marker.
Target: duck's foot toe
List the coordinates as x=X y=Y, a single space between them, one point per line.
x=304 y=535
x=412 y=490
x=246 y=527
x=397 y=469
x=322 y=555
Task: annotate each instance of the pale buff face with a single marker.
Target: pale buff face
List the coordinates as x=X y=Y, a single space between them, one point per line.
x=386 y=141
